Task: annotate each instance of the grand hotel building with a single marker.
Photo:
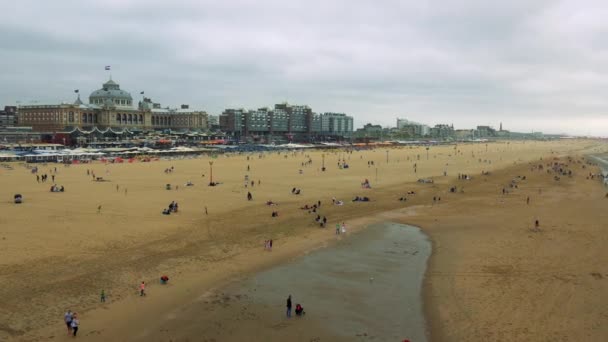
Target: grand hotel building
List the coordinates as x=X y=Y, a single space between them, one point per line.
x=110 y=107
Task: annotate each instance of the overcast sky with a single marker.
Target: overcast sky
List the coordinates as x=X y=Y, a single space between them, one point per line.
x=531 y=64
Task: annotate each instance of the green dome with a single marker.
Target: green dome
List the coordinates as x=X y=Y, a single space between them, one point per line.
x=111 y=95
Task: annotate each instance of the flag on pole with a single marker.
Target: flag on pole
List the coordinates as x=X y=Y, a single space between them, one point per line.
x=76 y=91
x=107 y=67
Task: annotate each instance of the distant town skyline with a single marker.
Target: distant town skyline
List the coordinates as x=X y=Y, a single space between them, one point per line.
x=534 y=66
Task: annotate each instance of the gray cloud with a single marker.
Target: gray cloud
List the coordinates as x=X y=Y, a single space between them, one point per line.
x=529 y=64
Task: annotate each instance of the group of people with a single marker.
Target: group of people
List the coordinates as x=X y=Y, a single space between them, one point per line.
x=299 y=308
x=361 y=199
x=173 y=207
x=44 y=178
x=268 y=245
x=365 y=184
x=340 y=229
x=464 y=177
x=56 y=188
x=71 y=321
x=321 y=221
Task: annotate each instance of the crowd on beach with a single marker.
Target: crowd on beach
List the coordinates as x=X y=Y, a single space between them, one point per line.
x=555 y=168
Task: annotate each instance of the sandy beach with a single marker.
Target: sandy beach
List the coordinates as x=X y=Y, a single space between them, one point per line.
x=491 y=275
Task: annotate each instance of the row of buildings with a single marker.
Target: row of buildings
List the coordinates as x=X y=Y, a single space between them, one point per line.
x=410 y=130
x=285 y=122
x=112 y=108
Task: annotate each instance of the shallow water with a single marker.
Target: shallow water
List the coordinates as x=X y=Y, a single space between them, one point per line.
x=369 y=284
x=602 y=161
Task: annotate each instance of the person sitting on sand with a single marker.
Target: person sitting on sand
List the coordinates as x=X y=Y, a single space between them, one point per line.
x=402 y=199
x=275 y=214
x=271 y=203
x=300 y=310
x=167 y=211
x=164 y=279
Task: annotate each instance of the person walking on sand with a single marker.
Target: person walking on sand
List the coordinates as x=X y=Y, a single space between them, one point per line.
x=289 y=306
x=103 y=296
x=337 y=228
x=142 y=289
x=68 y=317
x=75 y=323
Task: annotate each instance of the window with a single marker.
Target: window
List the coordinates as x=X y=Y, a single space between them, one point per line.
x=84 y=117
x=71 y=117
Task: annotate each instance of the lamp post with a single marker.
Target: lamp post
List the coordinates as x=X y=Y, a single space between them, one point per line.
x=427 y=153
x=387 y=156
x=323 y=162
x=210 y=172
x=486 y=147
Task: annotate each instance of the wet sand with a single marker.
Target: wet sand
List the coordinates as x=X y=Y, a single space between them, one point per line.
x=365 y=287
